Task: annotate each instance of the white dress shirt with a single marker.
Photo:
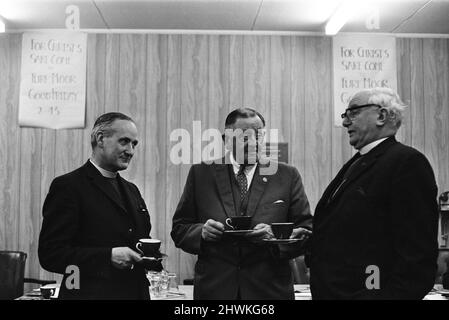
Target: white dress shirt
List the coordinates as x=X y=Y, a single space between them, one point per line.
x=249 y=172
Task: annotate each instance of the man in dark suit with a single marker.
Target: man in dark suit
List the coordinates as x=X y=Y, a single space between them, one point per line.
x=241 y=266
x=375 y=227
x=93 y=219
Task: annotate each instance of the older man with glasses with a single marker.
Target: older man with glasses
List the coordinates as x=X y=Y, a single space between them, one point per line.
x=375 y=227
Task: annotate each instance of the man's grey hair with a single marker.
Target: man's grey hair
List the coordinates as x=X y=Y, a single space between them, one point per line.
x=390 y=100
x=103 y=124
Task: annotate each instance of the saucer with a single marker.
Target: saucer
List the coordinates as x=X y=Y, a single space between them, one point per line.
x=281 y=241
x=237 y=232
x=34 y=294
x=163 y=256
x=152 y=259
x=443 y=292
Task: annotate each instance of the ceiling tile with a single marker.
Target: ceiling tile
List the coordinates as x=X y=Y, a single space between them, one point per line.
x=215 y=15
x=21 y=14
x=299 y=15
x=434 y=18
x=391 y=14
x=274 y=15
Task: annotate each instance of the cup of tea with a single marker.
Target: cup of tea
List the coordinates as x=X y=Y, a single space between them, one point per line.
x=47 y=291
x=148 y=247
x=239 y=222
x=282 y=230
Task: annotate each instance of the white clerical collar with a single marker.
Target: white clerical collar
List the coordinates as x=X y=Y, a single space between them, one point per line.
x=104 y=173
x=370 y=146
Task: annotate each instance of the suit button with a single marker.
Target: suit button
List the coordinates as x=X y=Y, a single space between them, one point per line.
x=130 y=230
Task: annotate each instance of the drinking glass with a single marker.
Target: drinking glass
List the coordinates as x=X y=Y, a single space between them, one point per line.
x=172 y=282
x=163 y=283
x=155 y=284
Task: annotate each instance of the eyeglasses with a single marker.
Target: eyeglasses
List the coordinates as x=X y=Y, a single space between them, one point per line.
x=351 y=113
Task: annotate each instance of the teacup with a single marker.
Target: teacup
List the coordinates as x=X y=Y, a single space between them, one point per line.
x=282 y=230
x=47 y=292
x=239 y=222
x=148 y=247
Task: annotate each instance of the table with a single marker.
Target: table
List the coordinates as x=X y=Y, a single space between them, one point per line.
x=302 y=292
x=186 y=293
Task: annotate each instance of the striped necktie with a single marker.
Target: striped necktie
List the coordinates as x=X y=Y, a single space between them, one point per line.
x=242 y=182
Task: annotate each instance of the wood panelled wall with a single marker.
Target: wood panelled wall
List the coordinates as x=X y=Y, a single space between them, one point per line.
x=167 y=81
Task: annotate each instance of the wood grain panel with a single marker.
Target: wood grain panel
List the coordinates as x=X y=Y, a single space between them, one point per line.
x=404 y=87
x=10 y=100
x=435 y=102
x=236 y=72
x=430 y=100
x=442 y=129
x=156 y=155
x=68 y=140
x=318 y=116
x=47 y=172
x=112 y=71
x=194 y=99
x=167 y=81
x=132 y=84
x=279 y=109
x=173 y=173
x=256 y=76
x=29 y=219
x=4 y=127
x=298 y=110
x=219 y=81
x=95 y=87
x=417 y=105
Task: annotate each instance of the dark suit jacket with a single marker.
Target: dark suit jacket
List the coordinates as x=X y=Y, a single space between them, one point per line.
x=384 y=215
x=233 y=264
x=83 y=221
